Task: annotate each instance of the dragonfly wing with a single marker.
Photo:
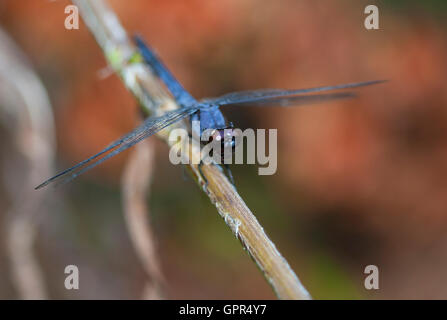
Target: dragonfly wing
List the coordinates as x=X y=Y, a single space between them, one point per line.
x=182 y=96
x=149 y=127
x=266 y=94
x=297 y=100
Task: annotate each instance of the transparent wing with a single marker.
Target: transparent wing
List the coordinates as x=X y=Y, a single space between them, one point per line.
x=182 y=96
x=297 y=100
x=149 y=127
x=245 y=97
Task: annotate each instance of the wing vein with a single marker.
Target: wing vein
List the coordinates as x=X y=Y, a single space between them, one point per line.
x=148 y=128
x=260 y=95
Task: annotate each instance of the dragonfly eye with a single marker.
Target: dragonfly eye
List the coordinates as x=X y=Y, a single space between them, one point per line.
x=227 y=138
x=215 y=136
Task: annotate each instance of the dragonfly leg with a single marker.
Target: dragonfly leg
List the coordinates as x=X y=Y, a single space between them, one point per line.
x=184 y=175
x=229 y=174
x=202 y=176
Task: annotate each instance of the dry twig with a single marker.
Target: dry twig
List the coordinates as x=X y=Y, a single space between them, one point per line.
x=135 y=187
x=24 y=99
x=119 y=51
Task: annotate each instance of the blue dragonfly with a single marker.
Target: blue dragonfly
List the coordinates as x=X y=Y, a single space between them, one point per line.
x=207 y=111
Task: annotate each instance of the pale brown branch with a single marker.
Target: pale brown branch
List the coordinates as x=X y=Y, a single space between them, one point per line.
x=118 y=50
x=135 y=188
x=25 y=100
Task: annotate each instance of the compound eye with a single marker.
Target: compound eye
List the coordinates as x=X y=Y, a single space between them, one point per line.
x=214 y=135
x=217 y=136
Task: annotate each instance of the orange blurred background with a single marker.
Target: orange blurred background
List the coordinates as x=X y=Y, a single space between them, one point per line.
x=359 y=182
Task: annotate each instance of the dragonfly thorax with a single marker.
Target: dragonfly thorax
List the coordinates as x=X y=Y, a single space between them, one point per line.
x=210 y=118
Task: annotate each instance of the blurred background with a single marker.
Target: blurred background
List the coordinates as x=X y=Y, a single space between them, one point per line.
x=359 y=182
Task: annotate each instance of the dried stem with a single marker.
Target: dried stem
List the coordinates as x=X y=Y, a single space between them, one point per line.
x=154 y=99
x=135 y=186
x=24 y=99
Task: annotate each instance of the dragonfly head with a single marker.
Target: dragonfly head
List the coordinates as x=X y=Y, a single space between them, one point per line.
x=227 y=139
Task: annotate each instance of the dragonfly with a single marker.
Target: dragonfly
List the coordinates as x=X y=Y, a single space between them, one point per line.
x=206 y=111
